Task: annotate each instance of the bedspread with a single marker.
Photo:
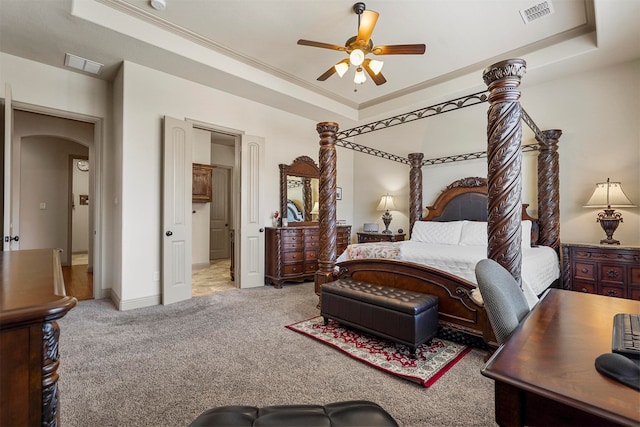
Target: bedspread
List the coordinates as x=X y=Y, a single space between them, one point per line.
x=540 y=265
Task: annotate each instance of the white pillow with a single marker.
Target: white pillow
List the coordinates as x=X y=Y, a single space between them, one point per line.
x=474 y=233
x=443 y=233
x=526 y=233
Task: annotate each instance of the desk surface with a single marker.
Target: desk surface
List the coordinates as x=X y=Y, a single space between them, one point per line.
x=552 y=354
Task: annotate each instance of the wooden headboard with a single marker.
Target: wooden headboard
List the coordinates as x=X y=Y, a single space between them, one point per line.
x=467 y=199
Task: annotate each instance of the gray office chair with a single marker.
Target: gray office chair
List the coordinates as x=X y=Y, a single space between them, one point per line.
x=503 y=299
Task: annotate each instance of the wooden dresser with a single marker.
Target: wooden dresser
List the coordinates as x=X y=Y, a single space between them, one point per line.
x=32 y=298
x=366 y=237
x=292 y=252
x=610 y=270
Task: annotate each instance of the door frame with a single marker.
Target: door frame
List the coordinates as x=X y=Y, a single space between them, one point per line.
x=96 y=249
x=70 y=205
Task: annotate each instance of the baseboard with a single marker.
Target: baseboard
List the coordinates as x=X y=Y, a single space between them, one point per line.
x=103 y=293
x=200 y=266
x=138 y=303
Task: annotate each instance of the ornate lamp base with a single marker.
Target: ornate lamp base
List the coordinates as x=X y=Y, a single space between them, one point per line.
x=609 y=221
x=386 y=218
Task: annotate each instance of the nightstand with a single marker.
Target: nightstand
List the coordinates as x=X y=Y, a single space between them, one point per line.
x=364 y=237
x=610 y=270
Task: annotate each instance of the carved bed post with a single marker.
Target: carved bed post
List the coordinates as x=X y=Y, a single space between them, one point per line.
x=504 y=158
x=283 y=193
x=549 y=190
x=415 y=189
x=307 y=197
x=327 y=201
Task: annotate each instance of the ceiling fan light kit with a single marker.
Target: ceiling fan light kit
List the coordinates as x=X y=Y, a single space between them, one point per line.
x=359 y=46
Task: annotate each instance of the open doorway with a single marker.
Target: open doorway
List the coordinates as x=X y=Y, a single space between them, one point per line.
x=213 y=260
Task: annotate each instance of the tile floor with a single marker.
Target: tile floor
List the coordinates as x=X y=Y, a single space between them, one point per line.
x=212 y=279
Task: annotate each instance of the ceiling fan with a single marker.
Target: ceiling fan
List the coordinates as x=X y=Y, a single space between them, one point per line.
x=360 y=45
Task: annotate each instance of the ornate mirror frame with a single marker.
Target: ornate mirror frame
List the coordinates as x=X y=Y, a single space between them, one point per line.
x=307 y=169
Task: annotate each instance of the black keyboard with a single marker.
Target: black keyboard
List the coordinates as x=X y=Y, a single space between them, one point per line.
x=626 y=335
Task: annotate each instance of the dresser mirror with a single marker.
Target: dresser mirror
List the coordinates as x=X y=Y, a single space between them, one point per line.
x=299 y=191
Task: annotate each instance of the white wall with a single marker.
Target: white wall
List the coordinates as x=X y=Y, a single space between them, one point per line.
x=598 y=113
x=148 y=95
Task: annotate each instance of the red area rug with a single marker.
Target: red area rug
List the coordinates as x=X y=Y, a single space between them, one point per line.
x=431 y=362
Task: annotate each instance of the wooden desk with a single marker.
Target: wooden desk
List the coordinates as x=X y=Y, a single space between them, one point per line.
x=545 y=373
x=31 y=298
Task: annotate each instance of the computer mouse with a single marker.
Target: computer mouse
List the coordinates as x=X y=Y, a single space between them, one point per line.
x=620 y=368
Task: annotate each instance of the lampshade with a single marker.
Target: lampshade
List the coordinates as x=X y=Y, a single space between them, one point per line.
x=386 y=203
x=376 y=66
x=316 y=209
x=359 y=78
x=356 y=57
x=608 y=194
x=341 y=68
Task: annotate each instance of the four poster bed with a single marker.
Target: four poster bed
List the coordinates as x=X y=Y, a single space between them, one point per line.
x=493 y=205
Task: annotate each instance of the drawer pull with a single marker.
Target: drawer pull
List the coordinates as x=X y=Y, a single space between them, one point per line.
x=612 y=274
x=585 y=270
x=612 y=293
x=584 y=290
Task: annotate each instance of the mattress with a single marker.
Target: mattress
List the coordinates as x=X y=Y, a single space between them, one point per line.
x=540 y=265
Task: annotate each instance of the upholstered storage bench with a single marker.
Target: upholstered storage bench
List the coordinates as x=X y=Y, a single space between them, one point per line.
x=406 y=317
x=339 y=414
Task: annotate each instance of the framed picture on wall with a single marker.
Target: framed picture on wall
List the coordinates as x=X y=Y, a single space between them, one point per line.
x=338 y=193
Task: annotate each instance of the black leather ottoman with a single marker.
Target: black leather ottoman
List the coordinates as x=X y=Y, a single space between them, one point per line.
x=407 y=317
x=340 y=414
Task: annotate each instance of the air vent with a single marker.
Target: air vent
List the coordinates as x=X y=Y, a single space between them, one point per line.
x=538 y=11
x=82 y=64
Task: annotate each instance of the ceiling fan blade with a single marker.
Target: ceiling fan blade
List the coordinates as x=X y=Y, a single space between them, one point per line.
x=378 y=79
x=399 y=49
x=368 y=21
x=321 y=45
x=331 y=71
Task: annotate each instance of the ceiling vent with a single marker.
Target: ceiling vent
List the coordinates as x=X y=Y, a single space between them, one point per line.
x=537 y=11
x=82 y=64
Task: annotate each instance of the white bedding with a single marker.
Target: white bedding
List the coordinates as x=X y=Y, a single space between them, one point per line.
x=540 y=265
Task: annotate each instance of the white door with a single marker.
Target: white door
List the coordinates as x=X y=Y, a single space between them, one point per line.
x=9 y=240
x=251 y=262
x=219 y=219
x=176 y=216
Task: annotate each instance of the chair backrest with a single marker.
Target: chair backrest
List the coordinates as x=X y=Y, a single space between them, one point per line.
x=503 y=299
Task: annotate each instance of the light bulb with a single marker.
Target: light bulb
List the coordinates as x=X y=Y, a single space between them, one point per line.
x=341 y=68
x=359 y=78
x=376 y=66
x=356 y=57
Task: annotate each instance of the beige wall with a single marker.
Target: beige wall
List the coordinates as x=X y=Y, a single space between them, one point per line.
x=598 y=112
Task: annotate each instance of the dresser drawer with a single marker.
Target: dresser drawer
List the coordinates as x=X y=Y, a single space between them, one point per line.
x=311 y=239
x=635 y=276
x=586 y=287
x=585 y=270
x=292 y=269
x=292 y=246
x=310 y=267
x=634 y=293
x=293 y=256
x=613 y=291
x=612 y=274
x=310 y=255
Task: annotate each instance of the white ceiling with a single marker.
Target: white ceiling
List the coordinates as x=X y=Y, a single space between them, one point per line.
x=248 y=47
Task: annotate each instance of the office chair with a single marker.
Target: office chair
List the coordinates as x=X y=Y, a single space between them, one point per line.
x=503 y=299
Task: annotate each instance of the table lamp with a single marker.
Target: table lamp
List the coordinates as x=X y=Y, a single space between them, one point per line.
x=607 y=195
x=316 y=209
x=386 y=203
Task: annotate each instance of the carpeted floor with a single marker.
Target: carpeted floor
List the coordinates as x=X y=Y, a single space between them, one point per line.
x=163 y=366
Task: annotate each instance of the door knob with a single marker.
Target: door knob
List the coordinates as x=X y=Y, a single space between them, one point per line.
x=169 y=233
x=261 y=230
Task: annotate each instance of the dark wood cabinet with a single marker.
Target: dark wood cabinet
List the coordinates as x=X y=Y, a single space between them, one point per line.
x=292 y=252
x=366 y=237
x=201 y=183
x=602 y=269
x=33 y=297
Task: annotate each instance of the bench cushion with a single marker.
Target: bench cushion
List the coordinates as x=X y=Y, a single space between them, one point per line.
x=401 y=300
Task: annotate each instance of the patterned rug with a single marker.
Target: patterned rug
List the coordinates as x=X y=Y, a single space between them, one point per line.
x=431 y=362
